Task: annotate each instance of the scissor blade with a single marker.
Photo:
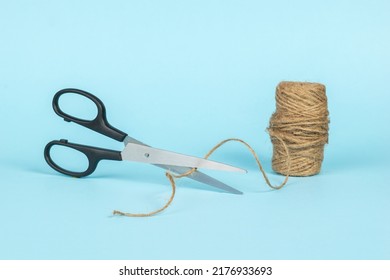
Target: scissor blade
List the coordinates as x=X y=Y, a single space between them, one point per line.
x=200 y=177
x=197 y=176
x=145 y=154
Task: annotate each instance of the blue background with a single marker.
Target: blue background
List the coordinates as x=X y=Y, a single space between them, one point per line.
x=183 y=75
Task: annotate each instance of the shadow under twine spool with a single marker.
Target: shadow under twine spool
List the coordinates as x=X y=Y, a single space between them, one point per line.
x=301 y=121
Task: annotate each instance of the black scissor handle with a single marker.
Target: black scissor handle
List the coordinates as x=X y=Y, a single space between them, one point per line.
x=93 y=154
x=99 y=124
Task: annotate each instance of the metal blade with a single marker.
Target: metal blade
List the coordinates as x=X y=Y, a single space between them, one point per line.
x=200 y=177
x=129 y=139
x=145 y=154
x=197 y=176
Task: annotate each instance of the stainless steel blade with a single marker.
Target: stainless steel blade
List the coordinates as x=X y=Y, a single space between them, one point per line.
x=145 y=154
x=197 y=176
x=129 y=139
x=200 y=177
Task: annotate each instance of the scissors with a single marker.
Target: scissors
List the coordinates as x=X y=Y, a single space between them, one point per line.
x=134 y=150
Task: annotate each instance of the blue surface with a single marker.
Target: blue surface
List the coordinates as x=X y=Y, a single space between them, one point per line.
x=183 y=75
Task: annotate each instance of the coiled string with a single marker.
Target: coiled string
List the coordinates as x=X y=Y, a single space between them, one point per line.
x=171 y=177
x=301 y=120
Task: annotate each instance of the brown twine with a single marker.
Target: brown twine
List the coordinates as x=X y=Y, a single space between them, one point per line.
x=171 y=177
x=301 y=121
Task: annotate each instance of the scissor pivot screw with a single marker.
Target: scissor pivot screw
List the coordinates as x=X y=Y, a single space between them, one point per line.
x=147 y=155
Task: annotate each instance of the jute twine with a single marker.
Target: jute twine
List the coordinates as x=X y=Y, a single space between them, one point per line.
x=298 y=131
x=171 y=177
x=301 y=121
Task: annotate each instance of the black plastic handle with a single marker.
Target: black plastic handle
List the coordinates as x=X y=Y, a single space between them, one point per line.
x=93 y=154
x=99 y=124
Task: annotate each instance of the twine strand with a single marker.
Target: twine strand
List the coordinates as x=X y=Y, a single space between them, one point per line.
x=171 y=177
x=173 y=185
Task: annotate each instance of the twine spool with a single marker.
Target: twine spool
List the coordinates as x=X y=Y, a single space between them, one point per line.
x=301 y=121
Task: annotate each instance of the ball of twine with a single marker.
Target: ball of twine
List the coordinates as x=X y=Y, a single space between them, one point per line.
x=301 y=121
